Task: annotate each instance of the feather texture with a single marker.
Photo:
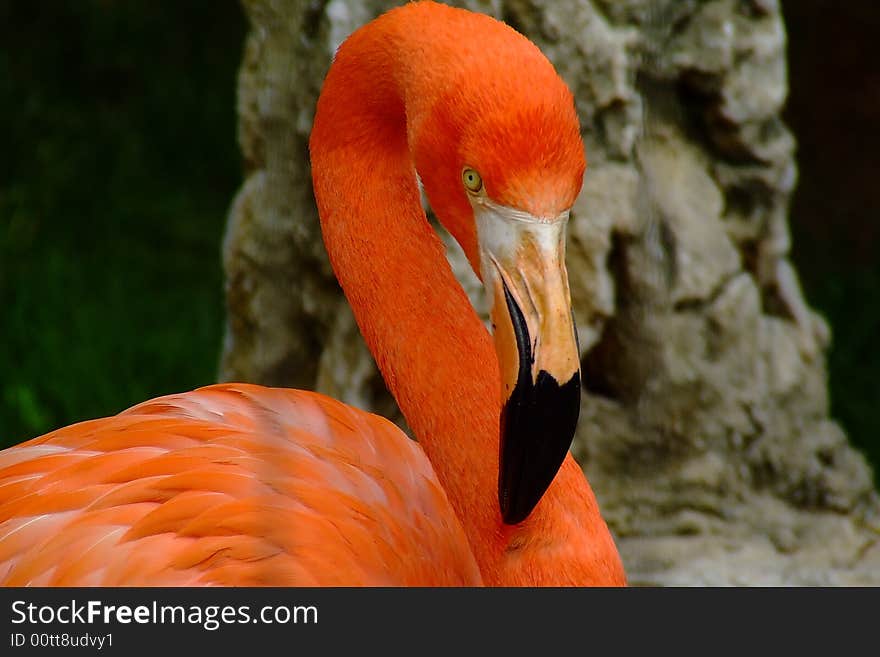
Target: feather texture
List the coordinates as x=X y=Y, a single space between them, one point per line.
x=229 y=484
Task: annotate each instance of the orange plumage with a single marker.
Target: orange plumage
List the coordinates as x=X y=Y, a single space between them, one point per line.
x=240 y=484
x=227 y=485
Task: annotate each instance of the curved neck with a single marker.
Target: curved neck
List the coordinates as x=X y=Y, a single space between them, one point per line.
x=434 y=352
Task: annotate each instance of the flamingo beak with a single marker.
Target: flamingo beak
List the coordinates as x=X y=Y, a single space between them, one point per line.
x=522 y=260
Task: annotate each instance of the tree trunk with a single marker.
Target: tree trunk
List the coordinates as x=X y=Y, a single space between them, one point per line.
x=705 y=429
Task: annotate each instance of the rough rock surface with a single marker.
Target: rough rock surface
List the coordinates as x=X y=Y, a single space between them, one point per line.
x=705 y=429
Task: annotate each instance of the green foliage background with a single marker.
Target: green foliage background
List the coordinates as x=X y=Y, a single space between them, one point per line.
x=118 y=160
x=834 y=111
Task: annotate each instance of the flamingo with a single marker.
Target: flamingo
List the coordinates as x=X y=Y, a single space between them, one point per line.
x=237 y=484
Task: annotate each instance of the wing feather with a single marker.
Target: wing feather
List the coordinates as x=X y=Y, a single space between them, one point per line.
x=228 y=484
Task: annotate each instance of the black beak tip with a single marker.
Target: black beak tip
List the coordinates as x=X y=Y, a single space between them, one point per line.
x=515 y=515
x=537 y=426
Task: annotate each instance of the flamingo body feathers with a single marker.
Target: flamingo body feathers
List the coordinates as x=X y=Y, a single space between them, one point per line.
x=228 y=484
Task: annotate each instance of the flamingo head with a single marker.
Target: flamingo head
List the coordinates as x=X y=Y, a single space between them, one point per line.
x=502 y=162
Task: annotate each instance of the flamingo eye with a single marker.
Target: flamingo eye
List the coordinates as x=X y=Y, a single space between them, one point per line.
x=472 y=181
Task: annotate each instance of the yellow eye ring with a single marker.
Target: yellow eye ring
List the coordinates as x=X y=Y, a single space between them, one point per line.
x=471 y=179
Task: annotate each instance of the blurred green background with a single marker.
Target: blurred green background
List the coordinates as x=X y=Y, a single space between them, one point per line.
x=118 y=160
x=834 y=111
